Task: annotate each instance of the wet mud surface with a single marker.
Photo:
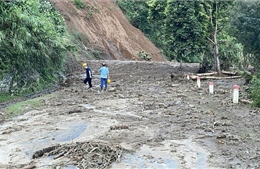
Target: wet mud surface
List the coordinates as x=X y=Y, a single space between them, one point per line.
x=157 y=121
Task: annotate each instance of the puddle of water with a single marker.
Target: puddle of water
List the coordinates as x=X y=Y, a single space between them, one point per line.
x=20 y=147
x=186 y=154
x=70 y=134
x=202 y=154
x=140 y=161
x=69 y=167
x=87 y=106
x=147 y=157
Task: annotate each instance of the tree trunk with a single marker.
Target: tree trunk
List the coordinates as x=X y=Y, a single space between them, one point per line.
x=216 y=51
x=216 y=55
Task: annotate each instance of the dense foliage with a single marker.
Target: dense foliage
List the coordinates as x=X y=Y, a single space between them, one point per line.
x=246 y=27
x=255 y=91
x=184 y=30
x=33 y=39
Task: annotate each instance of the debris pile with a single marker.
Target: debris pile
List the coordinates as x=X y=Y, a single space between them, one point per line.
x=84 y=154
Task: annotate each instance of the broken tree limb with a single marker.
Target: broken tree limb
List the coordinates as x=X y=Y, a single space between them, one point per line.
x=215 y=77
x=59 y=155
x=245 y=101
x=229 y=73
x=207 y=74
x=215 y=73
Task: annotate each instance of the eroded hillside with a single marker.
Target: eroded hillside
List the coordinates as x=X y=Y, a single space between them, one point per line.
x=106 y=28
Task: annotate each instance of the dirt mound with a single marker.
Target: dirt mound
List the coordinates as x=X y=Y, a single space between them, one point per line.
x=106 y=28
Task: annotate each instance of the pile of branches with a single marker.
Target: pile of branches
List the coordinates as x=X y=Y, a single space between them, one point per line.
x=84 y=154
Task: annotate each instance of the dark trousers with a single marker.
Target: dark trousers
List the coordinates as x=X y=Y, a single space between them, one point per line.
x=103 y=82
x=88 y=80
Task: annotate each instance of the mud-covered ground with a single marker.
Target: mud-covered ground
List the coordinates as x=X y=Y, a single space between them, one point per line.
x=157 y=121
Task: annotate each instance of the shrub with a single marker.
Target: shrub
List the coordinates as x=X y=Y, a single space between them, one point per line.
x=33 y=43
x=255 y=91
x=79 y=4
x=144 y=55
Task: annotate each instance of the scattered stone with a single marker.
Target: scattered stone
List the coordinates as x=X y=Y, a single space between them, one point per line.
x=74 y=111
x=121 y=96
x=174 y=85
x=221 y=136
x=182 y=95
x=119 y=127
x=112 y=89
x=162 y=105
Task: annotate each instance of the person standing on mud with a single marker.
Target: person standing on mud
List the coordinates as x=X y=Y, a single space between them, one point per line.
x=104 y=75
x=88 y=78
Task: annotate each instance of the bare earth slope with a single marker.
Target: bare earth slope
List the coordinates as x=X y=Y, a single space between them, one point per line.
x=107 y=28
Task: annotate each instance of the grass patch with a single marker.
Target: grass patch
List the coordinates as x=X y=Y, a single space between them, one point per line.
x=22 y=107
x=6 y=97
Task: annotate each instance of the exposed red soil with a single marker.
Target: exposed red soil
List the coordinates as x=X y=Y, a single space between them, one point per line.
x=106 y=28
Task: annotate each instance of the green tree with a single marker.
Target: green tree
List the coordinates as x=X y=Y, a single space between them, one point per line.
x=186 y=30
x=219 y=16
x=137 y=13
x=188 y=26
x=230 y=51
x=156 y=18
x=33 y=41
x=245 y=22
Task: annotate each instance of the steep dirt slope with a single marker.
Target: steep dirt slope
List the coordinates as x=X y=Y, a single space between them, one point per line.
x=107 y=29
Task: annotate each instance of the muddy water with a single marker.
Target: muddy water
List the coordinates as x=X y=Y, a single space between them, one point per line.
x=175 y=154
x=18 y=146
x=20 y=140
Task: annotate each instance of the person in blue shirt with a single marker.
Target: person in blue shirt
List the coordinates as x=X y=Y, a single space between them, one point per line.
x=88 y=78
x=104 y=75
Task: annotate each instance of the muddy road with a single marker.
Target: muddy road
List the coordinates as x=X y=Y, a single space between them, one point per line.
x=146 y=119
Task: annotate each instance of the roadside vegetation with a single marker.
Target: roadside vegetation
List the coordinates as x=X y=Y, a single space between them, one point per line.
x=35 y=47
x=33 y=42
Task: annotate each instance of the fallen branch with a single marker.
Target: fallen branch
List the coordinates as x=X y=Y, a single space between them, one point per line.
x=59 y=155
x=40 y=153
x=207 y=74
x=215 y=73
x=245 y=101
x=229 y=73
x=214 y=77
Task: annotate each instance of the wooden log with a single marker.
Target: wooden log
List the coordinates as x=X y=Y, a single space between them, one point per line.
x=59 y=155
x=40 y=153
x=245 y=101
x=215 y=77
x=229 y=73
x=207 y=74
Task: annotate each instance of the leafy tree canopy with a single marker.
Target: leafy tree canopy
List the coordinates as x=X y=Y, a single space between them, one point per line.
x=33 y=38
x=245 y=22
